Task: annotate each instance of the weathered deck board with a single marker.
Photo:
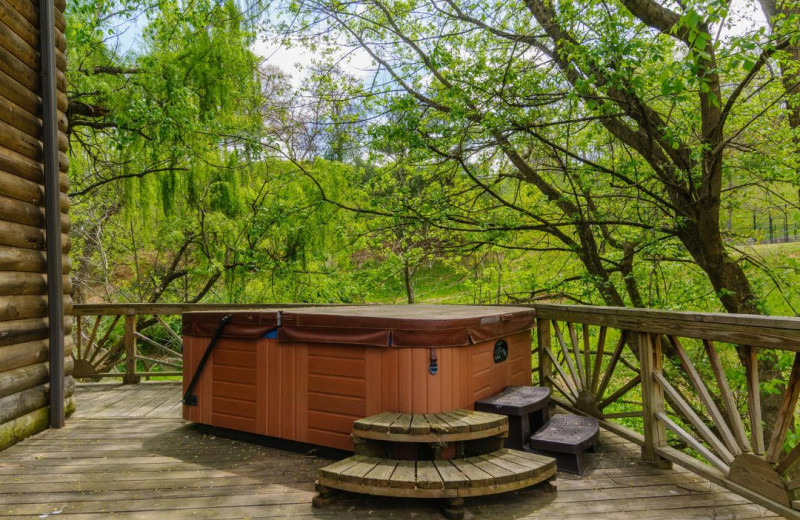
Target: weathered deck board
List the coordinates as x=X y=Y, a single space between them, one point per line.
x=151 y=400
x=127 y=454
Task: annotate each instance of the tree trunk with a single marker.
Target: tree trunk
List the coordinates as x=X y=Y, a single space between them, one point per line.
x=734 y=291
x=408 y=276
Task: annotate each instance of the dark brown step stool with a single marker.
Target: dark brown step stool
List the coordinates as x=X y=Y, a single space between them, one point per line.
x=566 y=437
x=526 y=408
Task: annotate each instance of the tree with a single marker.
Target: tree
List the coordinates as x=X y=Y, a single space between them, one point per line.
x=159 y=134
x=397 y=192
x=625 y=117
x=783 y=18
x=319 y=119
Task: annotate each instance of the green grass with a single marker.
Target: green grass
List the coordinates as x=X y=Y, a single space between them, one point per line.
x=163 y=378
x=782 y=263
x=434 y=284
x=791 y=249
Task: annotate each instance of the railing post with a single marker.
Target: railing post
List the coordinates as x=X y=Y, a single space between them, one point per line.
x=130 y=351
x=650 y=361
x=543 y=339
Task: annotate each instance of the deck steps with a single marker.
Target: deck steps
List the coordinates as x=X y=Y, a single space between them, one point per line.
x=449 y=456
x=525 y=407
x=563 y=436
x=566 y=437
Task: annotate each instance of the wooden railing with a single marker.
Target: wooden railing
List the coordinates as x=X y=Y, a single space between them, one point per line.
x=686 y=387
x=132 y=341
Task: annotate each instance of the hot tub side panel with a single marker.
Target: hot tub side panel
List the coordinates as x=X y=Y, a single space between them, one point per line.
x=193 y=348
x=520 y=369
x=488 y=377
x=285 y=393
x=340 y=388
x=231 y=393
x=465 y=374
x=235 y=397
x=312 y=392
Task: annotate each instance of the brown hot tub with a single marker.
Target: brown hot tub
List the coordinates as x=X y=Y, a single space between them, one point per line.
x=307 y=374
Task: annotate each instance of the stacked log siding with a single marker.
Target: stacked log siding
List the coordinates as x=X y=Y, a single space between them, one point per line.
x=24 y=344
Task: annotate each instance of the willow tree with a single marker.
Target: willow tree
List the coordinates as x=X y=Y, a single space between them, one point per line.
x=164 y=120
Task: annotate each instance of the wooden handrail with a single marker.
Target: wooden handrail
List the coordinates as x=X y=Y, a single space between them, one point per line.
x=778 y=332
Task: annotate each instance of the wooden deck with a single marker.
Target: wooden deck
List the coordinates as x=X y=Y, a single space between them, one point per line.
x=126 y=453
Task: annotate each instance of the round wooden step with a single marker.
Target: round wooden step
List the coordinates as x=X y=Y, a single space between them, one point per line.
x=457 y=425
x=496 y=472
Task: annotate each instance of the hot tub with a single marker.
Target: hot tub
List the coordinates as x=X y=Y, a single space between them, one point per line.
x=307 y=374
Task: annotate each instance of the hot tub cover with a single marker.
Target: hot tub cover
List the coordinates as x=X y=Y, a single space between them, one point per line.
x=245 y=324
x=404 y=325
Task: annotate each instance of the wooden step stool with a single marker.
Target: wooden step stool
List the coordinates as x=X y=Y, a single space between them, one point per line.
x=566 y=437
x=525 y=407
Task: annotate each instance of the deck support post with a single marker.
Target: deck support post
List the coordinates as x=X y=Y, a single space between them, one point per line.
x=130 y=351
x=655 y=432
x=325 y=496
x=543 y=342
x=453 y=508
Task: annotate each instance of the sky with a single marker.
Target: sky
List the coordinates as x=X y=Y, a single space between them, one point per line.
x=293 y=60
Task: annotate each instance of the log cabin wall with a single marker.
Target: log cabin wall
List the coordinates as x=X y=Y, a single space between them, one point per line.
x=24 y=329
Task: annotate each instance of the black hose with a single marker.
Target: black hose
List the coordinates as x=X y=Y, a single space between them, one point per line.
x=189 y=399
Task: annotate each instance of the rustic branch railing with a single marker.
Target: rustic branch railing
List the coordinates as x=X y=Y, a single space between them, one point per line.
x=685 y=386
